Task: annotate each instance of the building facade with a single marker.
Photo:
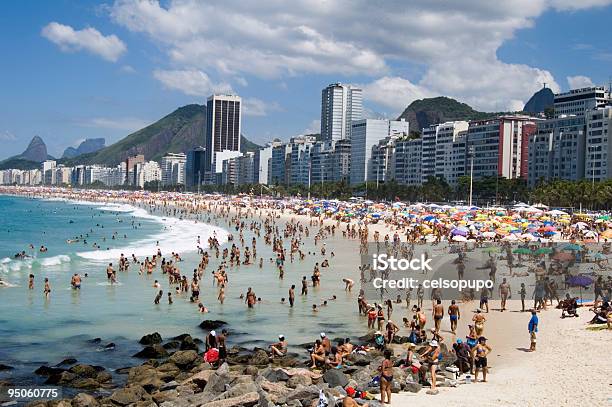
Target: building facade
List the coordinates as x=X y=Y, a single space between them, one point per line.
x=223 y=125
x=173 y=169
x=341 y=105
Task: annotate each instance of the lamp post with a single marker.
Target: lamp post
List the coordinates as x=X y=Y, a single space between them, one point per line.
x=471 y=153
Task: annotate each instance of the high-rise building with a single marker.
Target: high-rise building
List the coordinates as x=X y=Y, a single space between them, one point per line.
x=261 y=164
x=578 y=101
x=149 y=171
x=407 y=161
x=223 y=125
x=48 y=172
x=367 y=133
x=598 y=161
x=130 y=168
x=173 y=169
x=195 y=167
x=340 y=105
x=499 y=146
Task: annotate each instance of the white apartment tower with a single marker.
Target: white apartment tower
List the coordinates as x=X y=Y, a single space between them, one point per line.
x=173 y=169
x=340 y=106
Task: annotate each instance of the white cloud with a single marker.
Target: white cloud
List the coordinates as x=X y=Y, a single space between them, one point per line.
x=258 y=107
x=109 y=47
x=7 y=136
x=128 y=69
x=129 y=124
x=579 y=81
x=453 y=44
x=313 y=128
x=191 y=82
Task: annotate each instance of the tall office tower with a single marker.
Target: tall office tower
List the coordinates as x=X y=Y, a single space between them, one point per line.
x=130 y=168
x=195 y=170
x=598 y=145
x=223 y=125
x=578 y=101
x=340 y=106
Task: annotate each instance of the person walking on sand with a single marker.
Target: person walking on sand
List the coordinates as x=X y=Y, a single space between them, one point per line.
x=479 y=320
x=438 y=314
x=386 y=378
x=504 y=293
x=454 y=314
x=479 y=355
x=533 y=329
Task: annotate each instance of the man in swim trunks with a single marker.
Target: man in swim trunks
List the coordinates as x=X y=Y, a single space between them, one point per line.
x=438 y=314
x=454 y=314
x=484 y=298
x=292 y=295
x=533 y=329
x=504 y=292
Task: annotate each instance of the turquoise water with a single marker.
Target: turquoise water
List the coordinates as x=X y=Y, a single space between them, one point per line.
x=35 y=331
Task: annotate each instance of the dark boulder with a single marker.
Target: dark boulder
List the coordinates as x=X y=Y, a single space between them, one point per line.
x=150 y=339
x=335 y=377
x=67 y=361
x=5 y=367
x=212 y=324
x=155 y=351
x=48 y=371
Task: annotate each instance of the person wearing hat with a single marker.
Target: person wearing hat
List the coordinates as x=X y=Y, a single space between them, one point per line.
x=279 y=348
x=391 y=329
x=211 y=340
x=349 y=401
x=479 y=354
x=431 y=354
x=462 y=352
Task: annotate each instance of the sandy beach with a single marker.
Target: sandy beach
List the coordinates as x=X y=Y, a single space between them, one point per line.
x=570 y=366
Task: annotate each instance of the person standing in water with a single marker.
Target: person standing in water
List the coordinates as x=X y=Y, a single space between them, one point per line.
x=47 y=289
x=31 y=282
x=292 y=295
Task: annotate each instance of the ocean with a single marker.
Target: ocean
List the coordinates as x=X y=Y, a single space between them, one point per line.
x=80 y=323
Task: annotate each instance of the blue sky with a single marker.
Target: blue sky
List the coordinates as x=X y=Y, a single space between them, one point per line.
x=75 y=70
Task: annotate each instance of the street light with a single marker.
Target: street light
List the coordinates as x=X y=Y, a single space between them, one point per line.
x=471 y=153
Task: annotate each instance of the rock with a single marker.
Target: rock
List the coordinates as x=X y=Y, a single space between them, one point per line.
x=172 y=345
x=84 y=400
x=260 y=358
x=274 y=375
x=251 y=370
x=127 y=395
x=217 y=382
x=67 y=361
x=200 y=378
x=248 y=399
x=95 y=340
x=359 y=359
x=183 y=358
x=48 y=371
x=168 y=371
x=145 y=376
x=109 y=346
x=298 y=380
x=189 y=344
x=335 y=377
x=83 y=370
x=5 y=367
x=208 y=324
x=400 y=339
x=162 y=396
x=239 y=390
x=276 y=392
x=153 y=351
x=85 y=383
x=64 y=378
x=286 y=361
x=304 y=393
x=123 y=370
x=104 y=377
x=150 y=339
x=169 y=386
x=412 y=387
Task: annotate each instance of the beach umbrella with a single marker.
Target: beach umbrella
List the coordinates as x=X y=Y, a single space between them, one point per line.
x=580 y=225
x=460 y=231
x=600 y=256
x=521 y=250
x=580 y=281
x=571 y=246
x=459 y=238
x=491 y=249
x=543 y=250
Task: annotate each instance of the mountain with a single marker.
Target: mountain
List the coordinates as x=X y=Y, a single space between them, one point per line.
x=540 y=101
x=90 y=145
x=180 y=131
x=34 y=154
x=36 y=150
x=247 y=145
x=425 y=112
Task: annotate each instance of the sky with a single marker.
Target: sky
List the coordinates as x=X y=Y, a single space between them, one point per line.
x=72 y=70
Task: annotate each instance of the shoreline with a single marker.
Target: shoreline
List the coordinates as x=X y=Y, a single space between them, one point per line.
x=506 y=332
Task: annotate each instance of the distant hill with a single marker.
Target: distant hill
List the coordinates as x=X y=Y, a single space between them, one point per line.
x=180 y=131
x=540 y=101
x=425 y=112
x=34 y=154
x=90 y=145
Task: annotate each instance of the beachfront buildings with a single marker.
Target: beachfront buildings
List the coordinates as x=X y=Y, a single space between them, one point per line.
x=223 y=126
x=173 y=169
x=147 y=172
x=48 y=172
x=366 y=134
x=341 y=105
x=195 y=167
x=577 y=102
x=598 y=158
x=130 y=168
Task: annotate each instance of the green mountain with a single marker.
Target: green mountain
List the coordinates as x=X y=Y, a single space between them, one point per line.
x=33 y=155
x=180 y=131
x=425 y=112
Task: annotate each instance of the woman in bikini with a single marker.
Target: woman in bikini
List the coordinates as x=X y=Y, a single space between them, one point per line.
x=386 y=378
